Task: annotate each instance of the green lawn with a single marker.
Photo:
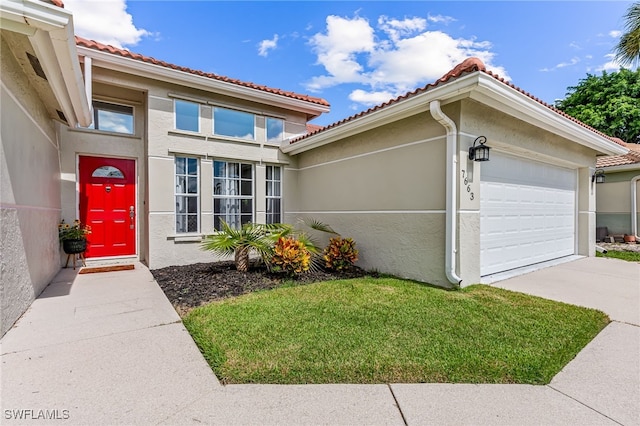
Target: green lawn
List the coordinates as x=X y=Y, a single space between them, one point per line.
x=386 y=330
x=629 y=256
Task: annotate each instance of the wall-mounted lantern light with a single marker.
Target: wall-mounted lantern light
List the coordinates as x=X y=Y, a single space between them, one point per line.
x=598 y=176
x=480 y=152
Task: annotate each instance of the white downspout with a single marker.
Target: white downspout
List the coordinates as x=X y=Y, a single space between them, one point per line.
x=451 y=191
x=634 y=208
x=88 y=82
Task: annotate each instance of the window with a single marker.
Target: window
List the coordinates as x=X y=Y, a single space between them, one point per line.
x=187 y=194
x=275 y=130
x=274 y=194
x=112 y=117
x=108 y=172
x=232 y=194
x=236 y=124
x=187 y=115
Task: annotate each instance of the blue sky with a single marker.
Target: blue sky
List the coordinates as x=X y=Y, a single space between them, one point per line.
x=359 y=54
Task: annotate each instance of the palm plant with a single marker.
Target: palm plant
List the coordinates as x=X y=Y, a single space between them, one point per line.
x=240 y=242
x=628 y=48
x=261 y=239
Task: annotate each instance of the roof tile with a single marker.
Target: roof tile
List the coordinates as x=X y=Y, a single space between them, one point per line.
x=632 y=157
x=92 y=44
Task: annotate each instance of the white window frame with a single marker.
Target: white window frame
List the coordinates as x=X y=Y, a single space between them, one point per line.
x=175 y=115
x=236 y=223
x=213 y=123
x=186 y=195
x=271 y=195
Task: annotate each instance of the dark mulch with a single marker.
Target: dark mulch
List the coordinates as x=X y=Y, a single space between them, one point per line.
x=190 y=286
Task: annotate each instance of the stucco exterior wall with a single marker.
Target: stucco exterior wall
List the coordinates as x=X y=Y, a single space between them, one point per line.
x=384 y=188
x=86 y=142
x=29 y=193
x=613 y=201
x=512 y=136
x=166 y=247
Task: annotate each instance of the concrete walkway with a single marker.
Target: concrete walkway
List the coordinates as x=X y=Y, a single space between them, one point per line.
x=108 y=348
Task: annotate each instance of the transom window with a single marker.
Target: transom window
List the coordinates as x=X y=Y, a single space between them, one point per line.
x=232 y=194
x=274 y=194
x=108 y=172
x=232 y=123
x=187 y=195
x=110 y=117
x=187 y=115
x=275 y=130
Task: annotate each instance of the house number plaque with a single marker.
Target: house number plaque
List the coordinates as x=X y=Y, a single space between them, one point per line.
x=465 y=180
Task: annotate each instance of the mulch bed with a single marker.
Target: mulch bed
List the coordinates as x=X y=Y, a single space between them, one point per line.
x=190 y=286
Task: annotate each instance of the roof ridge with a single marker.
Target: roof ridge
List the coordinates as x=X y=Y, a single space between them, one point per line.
x=469 y=65
x=95 y=45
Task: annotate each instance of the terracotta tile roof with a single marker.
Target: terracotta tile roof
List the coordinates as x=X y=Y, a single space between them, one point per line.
x=632 y=157
x=57 y=3
x=467 y=66
x=313 y=127
x=92 y=44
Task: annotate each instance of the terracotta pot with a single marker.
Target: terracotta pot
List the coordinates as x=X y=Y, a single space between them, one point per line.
x=74 y=246
x=629 y=239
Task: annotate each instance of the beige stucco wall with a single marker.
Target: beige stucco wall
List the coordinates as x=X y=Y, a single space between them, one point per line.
x=167 y=248
x=29 y=193
x=613 y=201
x=386 y=188
x=86 y=142
x=508 y=135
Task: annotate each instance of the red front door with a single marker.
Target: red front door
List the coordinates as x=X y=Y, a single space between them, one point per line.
x=107 y=204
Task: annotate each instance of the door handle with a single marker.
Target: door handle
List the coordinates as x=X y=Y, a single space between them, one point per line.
x=131 y=216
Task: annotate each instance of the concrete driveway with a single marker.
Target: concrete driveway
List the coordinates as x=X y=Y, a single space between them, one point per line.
x=109 y=349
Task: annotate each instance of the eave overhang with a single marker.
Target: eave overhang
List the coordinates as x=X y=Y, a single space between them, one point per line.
x=479 y=86
x=131 y=66
x=50 y=32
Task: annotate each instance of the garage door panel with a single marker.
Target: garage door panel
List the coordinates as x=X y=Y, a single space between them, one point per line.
x=527 y=213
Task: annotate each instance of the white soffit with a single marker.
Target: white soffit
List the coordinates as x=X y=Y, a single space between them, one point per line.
x=50 y=31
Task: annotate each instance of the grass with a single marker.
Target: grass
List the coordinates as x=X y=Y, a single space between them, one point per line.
x=386 y=330
x=629 y=256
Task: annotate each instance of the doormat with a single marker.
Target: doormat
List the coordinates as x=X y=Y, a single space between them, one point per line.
x=111 y=268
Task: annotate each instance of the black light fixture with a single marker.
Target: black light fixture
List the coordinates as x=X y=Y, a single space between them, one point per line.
x=480 y=152
x=598 y=176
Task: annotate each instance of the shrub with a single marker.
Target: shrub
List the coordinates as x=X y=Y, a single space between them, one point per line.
x=340 y=254
x=290 y=256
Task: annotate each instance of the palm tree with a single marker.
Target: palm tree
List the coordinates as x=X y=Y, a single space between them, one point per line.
x=261 y=239
x=628 y=48
x=240 y=242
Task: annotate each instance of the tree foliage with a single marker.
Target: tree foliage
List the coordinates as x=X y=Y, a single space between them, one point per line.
x=609 y=103
x=628 y=48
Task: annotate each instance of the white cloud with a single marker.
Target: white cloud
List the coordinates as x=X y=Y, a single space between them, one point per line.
x=396 y=58
x=106 y=21
x=615 y=33
x=337 y=50
x=370 y=98
x=265 y=45
x=397 y=29
x=571 y=62
x=440 y=19
x=611 y=65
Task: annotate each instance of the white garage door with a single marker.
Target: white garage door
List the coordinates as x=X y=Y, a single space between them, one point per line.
x=527 y=213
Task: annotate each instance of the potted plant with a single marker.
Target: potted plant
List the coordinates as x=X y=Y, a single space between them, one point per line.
x=629 y=238
x=73 y=236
